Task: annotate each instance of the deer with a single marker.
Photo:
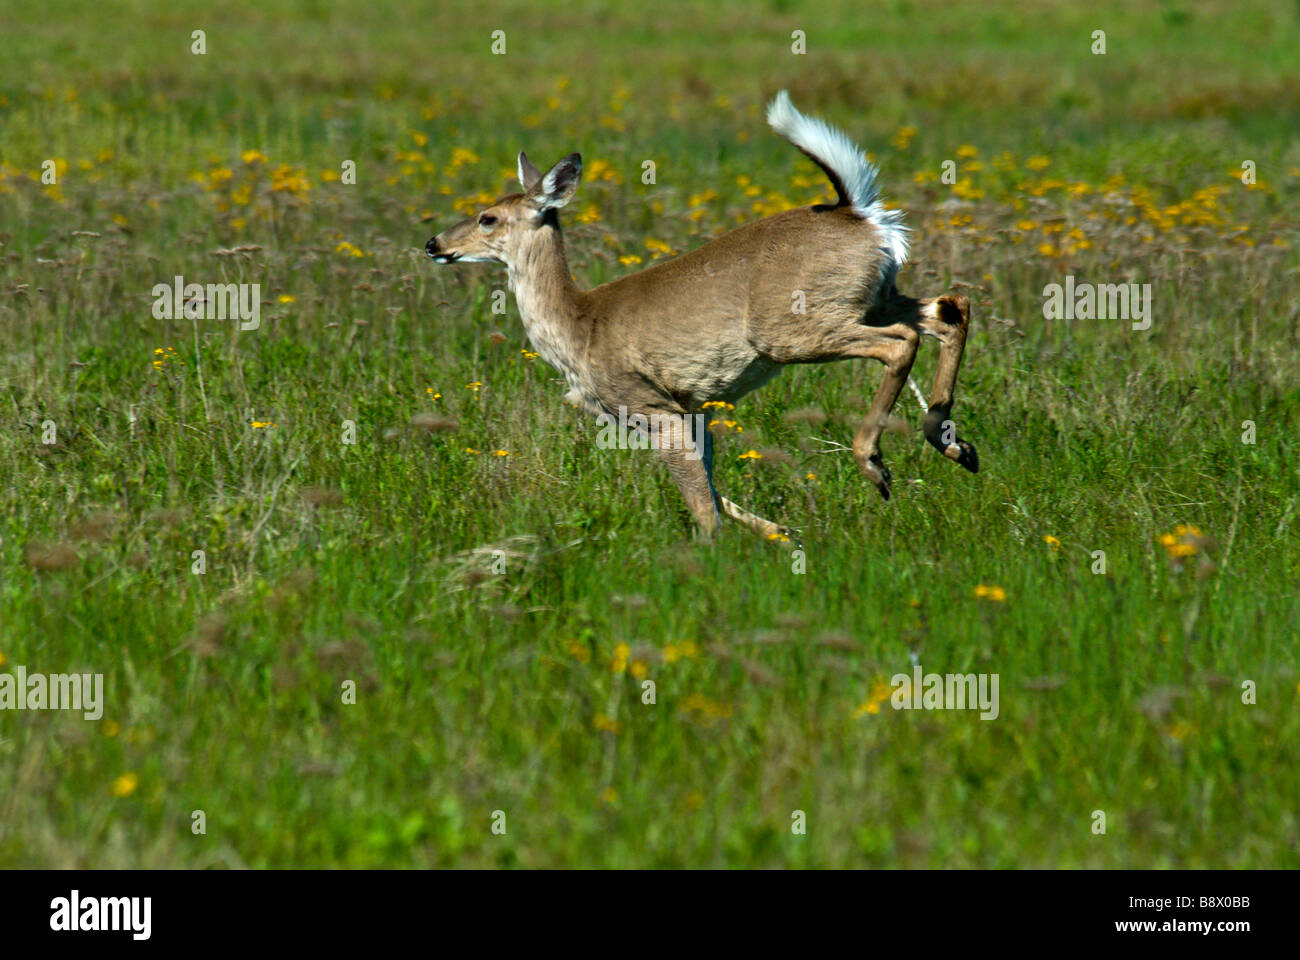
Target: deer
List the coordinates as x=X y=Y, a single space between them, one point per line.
x=809 y=285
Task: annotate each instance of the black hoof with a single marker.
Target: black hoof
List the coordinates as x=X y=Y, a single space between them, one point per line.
x=880 y=476
x=968 y=457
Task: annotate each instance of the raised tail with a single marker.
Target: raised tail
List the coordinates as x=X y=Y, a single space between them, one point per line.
x=850 y=172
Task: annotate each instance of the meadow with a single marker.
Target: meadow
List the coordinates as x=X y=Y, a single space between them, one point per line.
x=429 y=602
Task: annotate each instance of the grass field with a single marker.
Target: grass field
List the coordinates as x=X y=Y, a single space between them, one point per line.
x=129 y=443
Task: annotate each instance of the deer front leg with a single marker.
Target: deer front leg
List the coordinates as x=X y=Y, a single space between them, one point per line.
x=948 y=319
x=687 y=466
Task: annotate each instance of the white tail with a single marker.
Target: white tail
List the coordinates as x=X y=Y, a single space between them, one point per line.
x=854 y=177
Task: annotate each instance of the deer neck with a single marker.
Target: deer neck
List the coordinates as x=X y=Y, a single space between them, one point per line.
x=549 y=301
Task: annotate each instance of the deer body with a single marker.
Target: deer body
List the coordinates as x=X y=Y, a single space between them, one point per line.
x=809 y=285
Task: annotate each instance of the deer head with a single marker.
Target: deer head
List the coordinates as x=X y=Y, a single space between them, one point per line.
x=502 y=231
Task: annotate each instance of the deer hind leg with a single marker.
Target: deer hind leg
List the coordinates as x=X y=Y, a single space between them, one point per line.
x=947 y=318
x=895 y=346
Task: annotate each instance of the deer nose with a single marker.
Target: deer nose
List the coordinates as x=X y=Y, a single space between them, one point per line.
x=431 y=247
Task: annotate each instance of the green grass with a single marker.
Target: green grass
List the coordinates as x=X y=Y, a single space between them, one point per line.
x=479 y=691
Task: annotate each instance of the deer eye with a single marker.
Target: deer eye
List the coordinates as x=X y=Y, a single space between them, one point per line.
x=487 y=220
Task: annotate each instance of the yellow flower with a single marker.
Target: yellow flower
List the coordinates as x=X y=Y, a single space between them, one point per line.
x=3 y=659
x=1052 y=542
x=259 y=424
x=629 y=260
x=349 y=249
x=880 y=692
x=711 y=709
x=600 y=169
x=1038 y=163
x=501 y=453
x=966 y=151
x=579 y=651
x=292 y=180
x=1025 y=224
x=689 y=649
x=903 y=138
x=433 y=394
x=474 y=385
x=419 y=138
x=621 y=653
x=253 y=156
x=470 y=450
x=671 y=654
x=750 y=455
x=657 y=246
x=778 y=537
x=1185 y=541
x=125 y=785
x=994 y=594
x=287 y=298
x=461 y=157
x=639 y=669
x=529 y=355
x=602 y=722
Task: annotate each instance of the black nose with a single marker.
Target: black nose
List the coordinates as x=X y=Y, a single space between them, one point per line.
x=432 y=246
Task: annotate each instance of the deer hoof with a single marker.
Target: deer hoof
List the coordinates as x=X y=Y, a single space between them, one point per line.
x=878 y=474
x=965 y=454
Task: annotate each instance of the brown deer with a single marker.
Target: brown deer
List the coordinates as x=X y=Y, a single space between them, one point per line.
x=809 y=285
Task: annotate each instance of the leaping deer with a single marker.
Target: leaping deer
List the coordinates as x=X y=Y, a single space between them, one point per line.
x=809 y=285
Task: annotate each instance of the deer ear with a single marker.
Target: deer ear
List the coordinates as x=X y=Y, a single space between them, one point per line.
x=528 y=174
x=559 y=185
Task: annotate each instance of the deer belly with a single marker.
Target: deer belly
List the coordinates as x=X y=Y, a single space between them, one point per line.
x=727 y=375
